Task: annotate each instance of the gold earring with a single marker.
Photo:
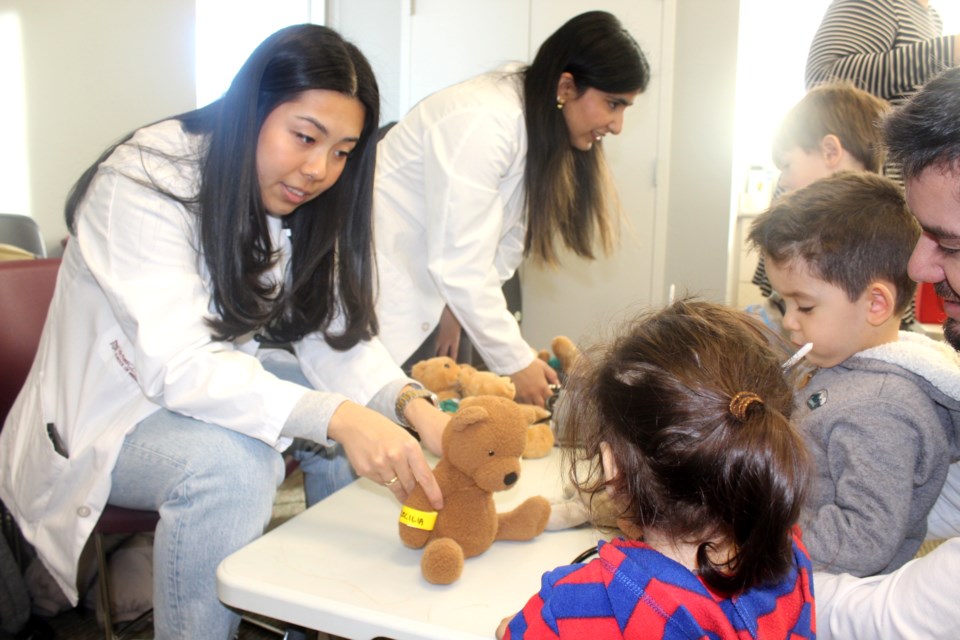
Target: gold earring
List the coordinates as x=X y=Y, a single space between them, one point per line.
x=559 y=103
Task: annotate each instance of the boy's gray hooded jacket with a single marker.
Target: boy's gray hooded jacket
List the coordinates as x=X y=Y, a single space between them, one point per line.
x=882 y=428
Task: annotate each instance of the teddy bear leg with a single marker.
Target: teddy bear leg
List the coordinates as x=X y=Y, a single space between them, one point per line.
x=539 y=440
x=526 y=521
x=442 y=561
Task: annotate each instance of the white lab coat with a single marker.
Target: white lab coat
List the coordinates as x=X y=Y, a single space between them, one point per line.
x=918 y=601
x=125 y=336
x=450 y=218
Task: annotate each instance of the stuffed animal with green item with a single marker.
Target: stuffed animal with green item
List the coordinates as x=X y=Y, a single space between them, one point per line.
x=482 y=448
x=452 y=382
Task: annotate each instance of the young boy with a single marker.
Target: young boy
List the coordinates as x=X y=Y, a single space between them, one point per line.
x=875 y=412
x=834 y=127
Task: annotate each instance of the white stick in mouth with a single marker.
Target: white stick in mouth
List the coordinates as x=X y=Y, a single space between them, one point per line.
x=795 y=358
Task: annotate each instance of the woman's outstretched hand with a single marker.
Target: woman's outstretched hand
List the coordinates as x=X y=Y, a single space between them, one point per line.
x=383 y=451
x=533 y=383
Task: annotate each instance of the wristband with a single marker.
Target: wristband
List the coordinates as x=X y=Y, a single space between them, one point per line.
x=412 y=394
x=425 y=520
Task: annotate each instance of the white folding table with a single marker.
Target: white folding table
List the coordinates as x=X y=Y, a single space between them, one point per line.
x=339 y=567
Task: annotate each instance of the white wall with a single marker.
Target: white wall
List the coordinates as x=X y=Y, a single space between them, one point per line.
x=374 y=26
x=698 y=244
x=93 y=70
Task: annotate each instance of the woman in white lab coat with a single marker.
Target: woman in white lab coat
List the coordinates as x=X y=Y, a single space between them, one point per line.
x=481 y=174
x=191 y=241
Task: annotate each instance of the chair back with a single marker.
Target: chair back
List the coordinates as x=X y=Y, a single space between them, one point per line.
x=26 y=289
x=22 y=231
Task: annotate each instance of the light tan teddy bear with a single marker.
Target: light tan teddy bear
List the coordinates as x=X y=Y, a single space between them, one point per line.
x=452 y=381
x=440 y=375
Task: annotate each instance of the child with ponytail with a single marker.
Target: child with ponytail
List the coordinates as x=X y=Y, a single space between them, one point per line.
x=684 y=421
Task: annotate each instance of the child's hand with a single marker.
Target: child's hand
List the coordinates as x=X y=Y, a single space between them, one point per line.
x=502 y=629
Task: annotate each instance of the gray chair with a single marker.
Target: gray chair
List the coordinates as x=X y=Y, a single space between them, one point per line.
x=22 y=231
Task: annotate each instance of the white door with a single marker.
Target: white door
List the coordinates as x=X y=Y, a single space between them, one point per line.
x=448 y=41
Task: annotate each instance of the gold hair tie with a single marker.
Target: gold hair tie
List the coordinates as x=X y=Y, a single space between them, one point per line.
x=740 y=403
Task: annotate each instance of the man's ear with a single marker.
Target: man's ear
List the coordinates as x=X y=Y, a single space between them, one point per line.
x=832 y=151
x=881 y=302
x=566 y=87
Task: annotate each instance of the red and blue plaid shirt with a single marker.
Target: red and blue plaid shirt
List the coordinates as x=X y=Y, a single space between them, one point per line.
x=631 y=591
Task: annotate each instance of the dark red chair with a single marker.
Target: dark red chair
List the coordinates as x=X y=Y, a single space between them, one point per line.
x=26 y=288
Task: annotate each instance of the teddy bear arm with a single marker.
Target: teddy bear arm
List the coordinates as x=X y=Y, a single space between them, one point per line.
x=526 y=521
x=413 y=536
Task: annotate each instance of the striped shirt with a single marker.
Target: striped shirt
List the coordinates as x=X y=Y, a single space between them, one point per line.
x=889 y=48
x=633 y=592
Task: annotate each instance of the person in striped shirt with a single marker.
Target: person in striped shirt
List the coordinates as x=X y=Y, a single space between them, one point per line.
x=887 y=47
x=890 y=48
x=684 y=421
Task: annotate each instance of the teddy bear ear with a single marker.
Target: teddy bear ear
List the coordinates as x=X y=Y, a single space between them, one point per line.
x=417 y=371
x=468 y=416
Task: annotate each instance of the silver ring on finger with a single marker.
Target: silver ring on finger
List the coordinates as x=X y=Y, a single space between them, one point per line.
x=392 y=481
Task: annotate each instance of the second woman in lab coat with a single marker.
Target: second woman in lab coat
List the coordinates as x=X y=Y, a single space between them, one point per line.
x=477 y=176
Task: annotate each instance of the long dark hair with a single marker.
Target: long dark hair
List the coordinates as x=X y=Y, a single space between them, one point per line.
x=569 y=192
x=332 y=266
x=695 y=460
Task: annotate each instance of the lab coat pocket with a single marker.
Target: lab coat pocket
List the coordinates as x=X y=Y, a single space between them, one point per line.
x=39 y=455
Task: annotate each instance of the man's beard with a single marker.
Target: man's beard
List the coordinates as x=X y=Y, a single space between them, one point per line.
x=951 y=332
x=951 y=327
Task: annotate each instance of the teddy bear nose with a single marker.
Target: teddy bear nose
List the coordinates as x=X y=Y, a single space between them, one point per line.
x=510 y=478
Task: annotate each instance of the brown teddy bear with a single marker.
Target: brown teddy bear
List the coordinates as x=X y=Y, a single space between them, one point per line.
x=440 y=375
x=452 y=381
x=485 y=383
x=540 y=437
x=482 y=447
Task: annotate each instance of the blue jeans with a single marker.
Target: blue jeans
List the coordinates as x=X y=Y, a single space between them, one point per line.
x=325 y=468
x=214 y=489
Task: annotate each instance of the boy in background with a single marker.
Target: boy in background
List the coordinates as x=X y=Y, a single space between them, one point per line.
x=875 y=411
x=834 y=127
